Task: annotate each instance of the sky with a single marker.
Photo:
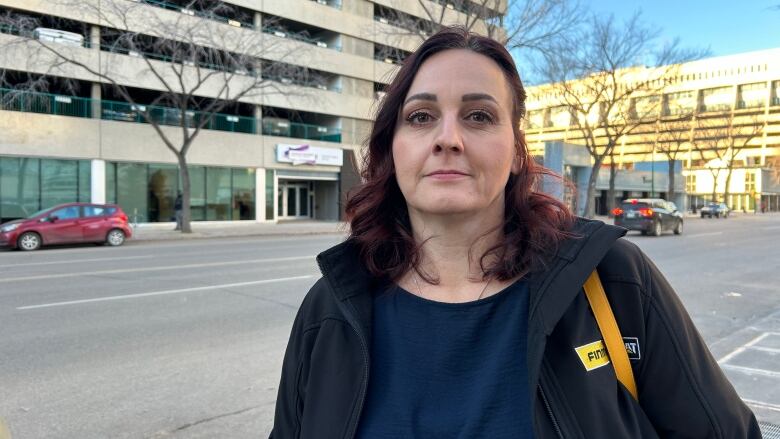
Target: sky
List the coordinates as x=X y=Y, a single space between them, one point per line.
x=725 y=26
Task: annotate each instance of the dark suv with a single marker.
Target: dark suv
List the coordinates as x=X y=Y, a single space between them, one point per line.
x=651 y=216
x=718 y=210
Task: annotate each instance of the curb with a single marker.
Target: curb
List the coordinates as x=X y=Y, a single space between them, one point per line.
x=196 y=235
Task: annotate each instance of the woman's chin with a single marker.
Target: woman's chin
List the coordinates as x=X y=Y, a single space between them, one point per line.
x=449 y=208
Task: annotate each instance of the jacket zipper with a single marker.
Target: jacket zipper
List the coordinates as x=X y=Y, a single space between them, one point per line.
x=352 y=430
x=550 y=413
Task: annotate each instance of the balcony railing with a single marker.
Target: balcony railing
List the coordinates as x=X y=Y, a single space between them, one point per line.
x=124 y=112
x=196 y=13
x=46 y=103
x=714 y=107
x=301 y=131
x=74 y=106
x=750 y=104
x=283 y=33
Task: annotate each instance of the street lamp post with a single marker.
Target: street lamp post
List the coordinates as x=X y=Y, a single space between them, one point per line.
x=652 y=174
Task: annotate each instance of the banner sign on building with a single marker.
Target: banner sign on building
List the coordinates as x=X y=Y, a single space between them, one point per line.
x=309 y=155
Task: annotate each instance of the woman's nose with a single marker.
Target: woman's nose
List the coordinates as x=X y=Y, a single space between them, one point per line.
x=448 y=137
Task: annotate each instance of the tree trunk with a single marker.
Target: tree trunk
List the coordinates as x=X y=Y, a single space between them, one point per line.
x=589 y=210
x=714 y=188
x=726 y=189
x=611 y=191
x=185 y=194
x=670 y=191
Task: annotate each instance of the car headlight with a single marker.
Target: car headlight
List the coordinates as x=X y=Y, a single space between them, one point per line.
x=9 y=228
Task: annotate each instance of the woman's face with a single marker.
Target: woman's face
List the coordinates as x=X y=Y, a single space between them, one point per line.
x=454 y=145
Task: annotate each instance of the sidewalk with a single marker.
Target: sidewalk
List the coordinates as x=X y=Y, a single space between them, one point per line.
x=164 y=231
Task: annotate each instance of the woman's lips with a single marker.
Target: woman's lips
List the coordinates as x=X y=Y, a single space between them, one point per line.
x=447 y=174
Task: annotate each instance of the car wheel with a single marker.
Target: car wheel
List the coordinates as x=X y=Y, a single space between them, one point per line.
x=29 y=241
x=702 y=216
x=678 y=229
x=115 y=238
x=657 y=228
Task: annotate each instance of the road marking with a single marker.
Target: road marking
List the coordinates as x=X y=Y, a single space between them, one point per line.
x=165 y=292
x=698 y=235
x=74 y=261
x=763 y=349
x=752 y=370
x=742 y=348
x=762 y=405
x=163 y=268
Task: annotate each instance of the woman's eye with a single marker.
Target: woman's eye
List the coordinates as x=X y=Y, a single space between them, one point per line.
x=481 y=117
x=418 y=118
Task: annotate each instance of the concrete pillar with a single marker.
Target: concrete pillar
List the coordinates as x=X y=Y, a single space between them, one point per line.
x=94 y=37
x=258 y=21
x=97 y=96
x=98 y=181
x=258 y=119
x=260 y=195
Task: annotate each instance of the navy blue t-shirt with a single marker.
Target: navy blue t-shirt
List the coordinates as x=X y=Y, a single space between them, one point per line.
x=448 y=370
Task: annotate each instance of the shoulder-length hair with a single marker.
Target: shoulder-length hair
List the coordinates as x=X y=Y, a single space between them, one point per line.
x=534 y=223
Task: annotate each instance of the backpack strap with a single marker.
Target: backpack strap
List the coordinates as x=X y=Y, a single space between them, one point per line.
x=610 y=331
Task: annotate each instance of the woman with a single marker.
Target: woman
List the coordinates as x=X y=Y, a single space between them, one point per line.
x=455 y=309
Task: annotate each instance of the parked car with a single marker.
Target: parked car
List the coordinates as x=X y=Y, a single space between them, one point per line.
x=650 y=216
x=67 y=224
x=58 y=36
x=717 y=210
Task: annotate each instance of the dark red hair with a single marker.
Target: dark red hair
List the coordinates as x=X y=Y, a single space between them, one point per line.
x=534 y=223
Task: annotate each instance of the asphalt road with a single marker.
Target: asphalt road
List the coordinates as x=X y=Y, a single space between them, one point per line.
x=185 y=339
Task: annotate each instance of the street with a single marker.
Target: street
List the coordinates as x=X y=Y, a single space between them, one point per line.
x=184 y=339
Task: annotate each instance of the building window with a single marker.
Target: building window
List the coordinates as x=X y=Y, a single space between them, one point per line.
x=146 y=192
x=716 y=99
x=750 y=182
x=683 y=102
x=534 y=119
x=690 y=183
x=28 y=185
x=270 y=196
x=752 y=95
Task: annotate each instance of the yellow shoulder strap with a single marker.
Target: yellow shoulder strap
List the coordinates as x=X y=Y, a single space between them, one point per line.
x=610 y=331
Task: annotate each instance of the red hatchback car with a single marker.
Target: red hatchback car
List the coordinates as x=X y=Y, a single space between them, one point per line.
x=67 y=224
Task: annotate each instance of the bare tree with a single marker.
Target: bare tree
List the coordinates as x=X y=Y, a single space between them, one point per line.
x=720 y=140
x=599 y=75
x=673 y=133
x=526 y=25
x=199 y=63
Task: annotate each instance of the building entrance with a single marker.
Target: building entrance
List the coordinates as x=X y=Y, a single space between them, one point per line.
x=294 y=199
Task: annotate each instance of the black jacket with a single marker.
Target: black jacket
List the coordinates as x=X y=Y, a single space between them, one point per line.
x=682 y=391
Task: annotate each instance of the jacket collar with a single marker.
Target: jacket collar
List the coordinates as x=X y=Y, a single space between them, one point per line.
x=551 y=289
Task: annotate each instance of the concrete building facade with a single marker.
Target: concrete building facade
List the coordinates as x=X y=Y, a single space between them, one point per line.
x=278 y=156
x=723 y=111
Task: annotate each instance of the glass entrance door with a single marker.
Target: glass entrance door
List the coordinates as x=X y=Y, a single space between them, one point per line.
x=294 y=200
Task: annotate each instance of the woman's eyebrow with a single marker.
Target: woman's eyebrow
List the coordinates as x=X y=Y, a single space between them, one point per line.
x=422 y=97
x=478 y=97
